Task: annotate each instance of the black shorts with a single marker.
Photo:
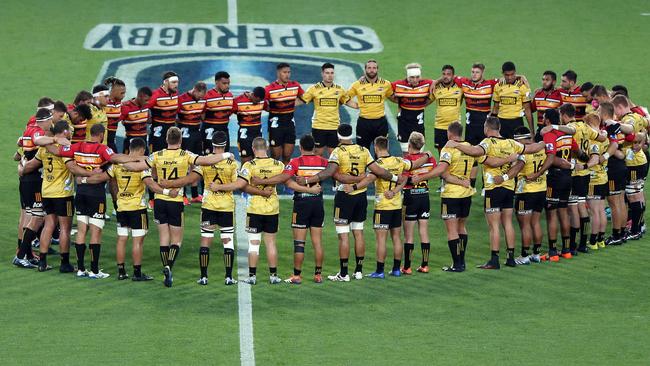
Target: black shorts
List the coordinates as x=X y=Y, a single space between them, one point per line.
x=192 y=139
x=455 y=208
x=409 y=121
x=308 y=213
x=219 y=218
x=30 y=196
x=387 y=219
x=508 y=126
x=440 y=138
x=636 y=173
x=261 y=223
x=110 y=139
x=168 y=212
x=579 y=186
x=369 y=129
x=538 y=133
x=59 y=206
x=350 y=208
x=598 y=191
x=158 y=136
x=127 y=143
x=616 y=181
x=527 y=203
x=134 y=220
x=282 y=129
x=207 y=131
x=245 y=137
x=92 y=206
x=557 y=191
x=325 y=138
x=474 y=132
x=497 y=199
x=416 y=207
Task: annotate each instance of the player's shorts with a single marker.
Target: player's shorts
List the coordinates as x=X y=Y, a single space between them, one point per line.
x=158 y=136
x=219 y=218
x=409 y=121
x=497 y=199
x=192 y=139
x=110 y=139
x=127 y=143
x=59 y=206
x=134 y=220
x=416 y=207
x=635 y=181
x=168 y=212
x=245 y=138
x=350 y=208
x=474 y=132
x=387 y=219
x=325 y=138
x=308 y=213
x=558 y=189
x=616 y=181
x=30 y=197
x=597 y=191
x=261 y=223
x=538 y=133
x=527 y=203
x=282 y=129
x=208 y=130
x=440 y=138
x=369 y=129
x=455 y=208
x=508 y=126
x=579 y=186
x=92 y=206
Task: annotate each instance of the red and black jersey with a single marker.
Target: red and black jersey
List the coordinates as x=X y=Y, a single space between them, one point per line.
x=89 y=155
x=422 y=187
x=478 y=96
x=409 y=97
x=79 y=133
x=305 y=166
x=281 y=98
x=640 y=111
x=163 y=107
x=190 y=110
x=31 y=121
x=218 y=107
x=30 y=148
x=561 y=145
x=248 y=113
x=544 y=100
x=113 y=111
x=134 y=118
x=576 y=98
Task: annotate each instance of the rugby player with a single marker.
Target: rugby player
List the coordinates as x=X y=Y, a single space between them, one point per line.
x=78 y=114
x=163 y=105
x=598 y=186
x=571 y=93
x=99 y=101
x=218 y=108
x=191 y=106
x=448 y=96
x=546 y=97
x=113 y=108
x=511 y=101
x=248 y=107
x=412 y=95
x=134 y=115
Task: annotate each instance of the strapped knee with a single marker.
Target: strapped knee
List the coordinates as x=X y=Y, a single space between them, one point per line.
x=342 y=229
x=254 y=247
x=298 y=246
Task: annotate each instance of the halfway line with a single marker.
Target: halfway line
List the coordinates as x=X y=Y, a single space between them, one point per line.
x=246 y=343
x=232 y=12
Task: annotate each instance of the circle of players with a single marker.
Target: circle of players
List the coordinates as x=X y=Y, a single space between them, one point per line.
x=588 y=146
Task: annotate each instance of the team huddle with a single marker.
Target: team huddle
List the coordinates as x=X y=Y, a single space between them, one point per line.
x=587 y=147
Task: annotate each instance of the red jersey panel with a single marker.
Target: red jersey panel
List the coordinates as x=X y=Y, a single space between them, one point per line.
x=575 y=97
x=163 y=106
x=113 y=111
x=218 y=107
x=560 y=144
x=544 y=100
x=305 y=166
x=89 y=155
x=281 y=99
x=190 y=110
x=409 y=97
x=248 y=113
x=422 y=187
x=134 y=118
x=478 y=96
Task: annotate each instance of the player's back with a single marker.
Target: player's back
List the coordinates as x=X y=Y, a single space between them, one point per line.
x=131 y=188
x=532 y=164
x=57 y=179
x=171 y=164
x=498 y=147
x=223 y=172
x=396 y=166
x=460 y=166
x=263 y=168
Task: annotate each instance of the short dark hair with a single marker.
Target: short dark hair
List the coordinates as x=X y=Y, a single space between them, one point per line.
x=111 y=81
x=259 y=92
x=620 y=89
x=200 y=86
x=145 y=90
x=550 y=73
x=381 y=142
x=60 y=106
x=81 y=96
x=43 y=113
x=44 y=102
x=97 y=129
x=586 y=86
x=307 y=142
x=606 y=108
x=84 y=110
x=137 y=144
x=568 y=110
x=621 y=101
x=219 y=138
x=456 y=128
x=326 y=65
x=98 y=88
x=449 y=67
x=60 y=127
x=571 y=75
x=508 y=66
x=282 y=65
x=478 y=65
x=344 y=130
x=493 y=123
x=598 y=91
x=221 y=75
x=169 y=74
x=552 y=115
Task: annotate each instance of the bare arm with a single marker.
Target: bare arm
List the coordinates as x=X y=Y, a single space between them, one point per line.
x=380 y=172
x=347 y=178
x=211 y=159
x=123 y=158
x=276 y=179
x=79 y=171
x=533 y=148
x=471 y=150
x=352 y=104
x=495 y=162
x=135 y=166
x=240 y=183
x=314 y=189
x=366 y=181
x=94 y=179
x=495 y=108
x=191 y=178
x=528 y=112
x=31 y=166
x=112 y=187
x=548 y=162
x=421 y=160
x=323 y=174
x=266 y=192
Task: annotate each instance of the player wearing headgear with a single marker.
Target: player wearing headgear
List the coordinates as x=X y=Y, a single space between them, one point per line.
x=99 y=101
x=412 y=96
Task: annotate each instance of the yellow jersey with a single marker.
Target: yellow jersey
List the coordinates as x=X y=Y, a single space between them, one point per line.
x=371 y=97
x=396 y=166
x=448 y=101
x=585 y=136
x=460 y=166
x=511 y=98
x=599 y=171
x=262 y=168
x=640 y=125
x=498 y=147
x=532 y=164
x=171 y=164
x=57 y=180
x=352 y=159
x=327 y=100
x=99 y=117
x=130 y=188
x=223 y=172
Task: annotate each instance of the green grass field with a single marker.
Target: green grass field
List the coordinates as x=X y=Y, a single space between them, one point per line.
x=589 y=310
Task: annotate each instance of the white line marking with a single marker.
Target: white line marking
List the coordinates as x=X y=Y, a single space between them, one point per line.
x=232 y=12
x=645 y=14
x=246 y=343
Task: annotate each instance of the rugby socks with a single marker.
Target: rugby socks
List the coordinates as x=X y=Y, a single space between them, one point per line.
x=380 y=267
x=26 y=245
x=173 y=253
x=616 y=233
x=81 y=253
x=137 y=271
x=552 y=247
x=510 y=253
x=344 y=267
x=408 y=250
x=463 y=247
x=426 y=247
x=164 y=256
x=537 y=248
x=494 y=256
x=524 y=251
x=296 y=271
x=359 y=266
x=635 y=215
x=396 y=264
x=583 y=231
x=252 y=271
x=454 y=249
x=566 y=243
x=572 y=237
x=204 y=260
x=120 y=269
x=472 y=182
x=601 y=236
x=228 y=258
x=65 y=258
x=42 y=260
x=318 y=270
x=95 y=250
x=592 y=239
x=273 y=271
x=195 y=191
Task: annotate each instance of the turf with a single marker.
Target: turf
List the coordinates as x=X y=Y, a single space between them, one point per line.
x=590 y=310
